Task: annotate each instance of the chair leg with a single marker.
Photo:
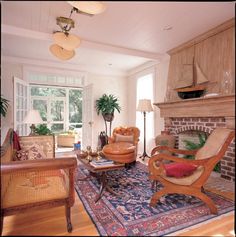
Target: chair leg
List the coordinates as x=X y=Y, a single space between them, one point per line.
x=156 y=196
x=207 y=200
x=1 y=222
x=68 y=219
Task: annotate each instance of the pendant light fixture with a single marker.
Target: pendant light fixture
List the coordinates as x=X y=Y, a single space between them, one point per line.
x=61 y=53
x=89 y=7
x=65 y=43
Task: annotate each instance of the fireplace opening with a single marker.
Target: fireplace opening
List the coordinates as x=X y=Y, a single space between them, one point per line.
x=191 y=140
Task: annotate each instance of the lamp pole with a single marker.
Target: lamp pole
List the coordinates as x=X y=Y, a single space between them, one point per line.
x=144 y=140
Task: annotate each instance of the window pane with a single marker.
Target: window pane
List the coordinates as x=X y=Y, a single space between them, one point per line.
x=57 y=110
x=45 y=91
x=75 y=106
x=57 y=127
x=41 y=106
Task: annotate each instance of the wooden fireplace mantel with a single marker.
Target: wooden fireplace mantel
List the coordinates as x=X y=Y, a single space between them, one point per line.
x=215 y=106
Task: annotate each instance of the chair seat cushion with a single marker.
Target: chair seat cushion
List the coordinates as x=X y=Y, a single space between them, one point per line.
x=35 y=187
x=119 y=148
x=179 y=169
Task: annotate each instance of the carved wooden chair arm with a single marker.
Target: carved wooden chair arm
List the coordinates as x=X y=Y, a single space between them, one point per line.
x=38 y=165
x=173 y=150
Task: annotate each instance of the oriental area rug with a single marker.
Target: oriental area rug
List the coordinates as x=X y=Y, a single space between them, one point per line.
x=129 y=214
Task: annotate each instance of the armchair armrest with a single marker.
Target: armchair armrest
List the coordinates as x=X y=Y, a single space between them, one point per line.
x=38 y=165
x=173 y=150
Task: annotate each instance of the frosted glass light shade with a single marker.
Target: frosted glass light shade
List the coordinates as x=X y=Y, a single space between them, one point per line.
x=61 y=53
x=33 y=117
x=144 y=105
x=90 y=7
x=68 y=42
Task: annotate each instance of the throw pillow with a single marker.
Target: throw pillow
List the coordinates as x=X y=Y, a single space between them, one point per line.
x=179 y=170
x=122 y=138
x=35 y=153
x=32 y=153
x=21 y=155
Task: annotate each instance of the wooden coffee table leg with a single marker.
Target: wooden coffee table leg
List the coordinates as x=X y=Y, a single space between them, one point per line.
x=102 y=187
x=104 y=182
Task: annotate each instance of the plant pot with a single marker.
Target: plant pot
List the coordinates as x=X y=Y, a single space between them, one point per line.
x=165 y=139
x=108 y=117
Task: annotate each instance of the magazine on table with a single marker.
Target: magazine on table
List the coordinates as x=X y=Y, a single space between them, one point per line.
x=101 y=162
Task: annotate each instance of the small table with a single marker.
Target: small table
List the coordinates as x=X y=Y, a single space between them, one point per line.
x=100 y=173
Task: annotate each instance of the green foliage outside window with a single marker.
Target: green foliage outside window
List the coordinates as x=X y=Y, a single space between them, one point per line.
x=189 y=145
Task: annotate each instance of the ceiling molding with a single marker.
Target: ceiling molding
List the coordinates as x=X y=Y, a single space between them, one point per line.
x=22 y=32
x=49 y=64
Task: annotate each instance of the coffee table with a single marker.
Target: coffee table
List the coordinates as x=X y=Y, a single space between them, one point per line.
x=99 y=172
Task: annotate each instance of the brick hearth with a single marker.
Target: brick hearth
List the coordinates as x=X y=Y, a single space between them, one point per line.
x=178 y=125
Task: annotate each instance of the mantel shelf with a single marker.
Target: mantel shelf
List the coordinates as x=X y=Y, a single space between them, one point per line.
x=215 y=106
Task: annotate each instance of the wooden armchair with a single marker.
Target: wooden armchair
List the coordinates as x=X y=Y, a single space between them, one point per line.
x=205 y=159
x=35 y=184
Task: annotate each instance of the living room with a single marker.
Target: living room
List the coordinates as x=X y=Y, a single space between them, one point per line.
x=132 y=51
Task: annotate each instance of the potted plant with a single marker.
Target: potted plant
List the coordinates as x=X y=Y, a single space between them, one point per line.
x=4 y=106
x=42 y=129
x=106 y=105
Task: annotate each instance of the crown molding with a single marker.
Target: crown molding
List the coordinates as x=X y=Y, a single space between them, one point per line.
x=68 y=66
x=22 y=32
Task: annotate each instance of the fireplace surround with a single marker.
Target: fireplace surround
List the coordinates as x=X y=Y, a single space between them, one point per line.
x=203 y=115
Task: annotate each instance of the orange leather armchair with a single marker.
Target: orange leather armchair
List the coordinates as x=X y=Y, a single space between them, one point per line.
x=122 y=146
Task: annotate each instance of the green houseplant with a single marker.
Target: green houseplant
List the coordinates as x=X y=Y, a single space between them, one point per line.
x=4 y=106
x=42 y=129
x=193 y=146
x=106 y=105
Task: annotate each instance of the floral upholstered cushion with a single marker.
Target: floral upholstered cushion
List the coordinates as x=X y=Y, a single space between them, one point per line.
x=33 y=153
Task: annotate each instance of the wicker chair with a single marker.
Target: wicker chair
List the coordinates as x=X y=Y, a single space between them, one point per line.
x=35 y=184
x=205 y=159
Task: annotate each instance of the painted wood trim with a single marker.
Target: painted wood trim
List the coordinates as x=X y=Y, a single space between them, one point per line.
x=222 y=27
x=217 y=106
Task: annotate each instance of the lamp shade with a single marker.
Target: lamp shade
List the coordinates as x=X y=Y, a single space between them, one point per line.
x=61 y=53
x=90 y=7
x=33 y=117
x=66 y=41
x=144 y=105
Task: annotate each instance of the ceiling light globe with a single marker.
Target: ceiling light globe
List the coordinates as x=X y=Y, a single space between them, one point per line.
x=68 y=42
x=61 y=53
x=90 y=7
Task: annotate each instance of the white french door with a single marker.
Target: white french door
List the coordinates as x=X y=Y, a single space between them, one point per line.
x=87 y=116
x=21 y=105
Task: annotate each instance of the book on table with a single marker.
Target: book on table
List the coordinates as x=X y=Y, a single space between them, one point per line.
x=101 y=162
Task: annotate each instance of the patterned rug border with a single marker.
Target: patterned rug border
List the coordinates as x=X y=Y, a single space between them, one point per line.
x=199 y=224
x=171 y=231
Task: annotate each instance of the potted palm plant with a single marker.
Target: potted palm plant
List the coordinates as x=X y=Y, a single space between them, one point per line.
x=4 y=106
x=106 y=105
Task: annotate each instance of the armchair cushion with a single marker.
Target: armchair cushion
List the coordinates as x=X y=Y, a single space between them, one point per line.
x=124 y=138
x=179 y=170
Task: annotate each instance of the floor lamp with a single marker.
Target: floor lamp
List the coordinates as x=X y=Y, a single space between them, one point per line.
x=144 y=106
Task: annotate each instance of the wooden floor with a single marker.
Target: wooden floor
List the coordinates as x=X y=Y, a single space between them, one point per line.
x=51 y=222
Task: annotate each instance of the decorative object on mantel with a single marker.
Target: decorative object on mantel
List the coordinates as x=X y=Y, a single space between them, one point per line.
x=165 y=139
x=188 y=85
x=226 y=87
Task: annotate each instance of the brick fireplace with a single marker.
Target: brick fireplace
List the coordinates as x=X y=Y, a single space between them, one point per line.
x=203 y=115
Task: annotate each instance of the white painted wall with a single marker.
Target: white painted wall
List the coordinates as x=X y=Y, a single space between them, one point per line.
x=160 y=82
x=8 y=70
x=116 y=86
x=101 y=84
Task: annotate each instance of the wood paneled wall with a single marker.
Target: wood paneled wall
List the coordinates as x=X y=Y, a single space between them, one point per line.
x=214 y=51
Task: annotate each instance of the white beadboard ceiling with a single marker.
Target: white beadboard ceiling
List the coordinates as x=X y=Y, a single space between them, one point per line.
x=125 y=36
